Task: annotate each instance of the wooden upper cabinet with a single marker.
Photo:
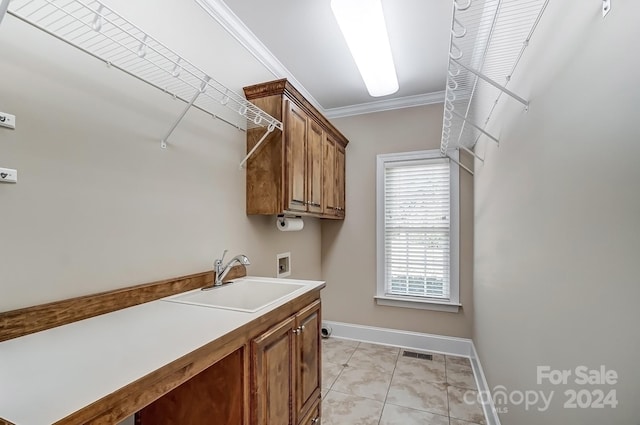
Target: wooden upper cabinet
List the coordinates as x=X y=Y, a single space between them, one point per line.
x=340 y=180
x=315 y=139
x=296 y=125
x=334 y=178
x=288 y=173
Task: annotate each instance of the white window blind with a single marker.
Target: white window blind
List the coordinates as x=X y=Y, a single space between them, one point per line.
x=417 y=228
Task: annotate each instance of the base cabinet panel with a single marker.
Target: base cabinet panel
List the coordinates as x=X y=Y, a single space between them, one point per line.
x=216 y=395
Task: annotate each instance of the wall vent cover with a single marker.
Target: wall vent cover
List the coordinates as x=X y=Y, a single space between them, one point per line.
x=415 y=355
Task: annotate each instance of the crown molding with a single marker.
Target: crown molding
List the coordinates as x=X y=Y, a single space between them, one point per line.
x=386 y=105
x=219 y=11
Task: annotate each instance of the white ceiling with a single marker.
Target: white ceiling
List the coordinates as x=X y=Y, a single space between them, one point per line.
x=304 y=37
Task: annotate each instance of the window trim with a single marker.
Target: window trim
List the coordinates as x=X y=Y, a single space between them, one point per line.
x=453 y=304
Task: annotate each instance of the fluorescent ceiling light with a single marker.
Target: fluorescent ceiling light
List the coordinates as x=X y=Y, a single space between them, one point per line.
x=364 y=28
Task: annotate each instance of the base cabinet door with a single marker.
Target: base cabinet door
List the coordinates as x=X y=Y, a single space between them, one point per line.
x=313 y=417
x=285 y=370
x=308 y=370
x=273 y=375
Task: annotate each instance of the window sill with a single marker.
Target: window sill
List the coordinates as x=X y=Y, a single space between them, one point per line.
x=417 y=303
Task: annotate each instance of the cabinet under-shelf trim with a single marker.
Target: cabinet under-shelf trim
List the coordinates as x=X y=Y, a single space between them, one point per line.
x=300 y=171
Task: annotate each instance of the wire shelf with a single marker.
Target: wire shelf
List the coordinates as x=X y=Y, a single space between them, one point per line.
x=488 y=38
x=102 y=33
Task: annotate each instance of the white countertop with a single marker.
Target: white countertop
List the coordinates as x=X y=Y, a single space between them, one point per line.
x=49 y=375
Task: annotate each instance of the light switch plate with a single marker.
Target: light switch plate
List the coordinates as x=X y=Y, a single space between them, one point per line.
x=7 y=120
x=8 y=175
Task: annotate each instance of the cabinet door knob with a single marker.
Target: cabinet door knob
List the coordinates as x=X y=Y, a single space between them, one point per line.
x=296 y=331
x=315 y=420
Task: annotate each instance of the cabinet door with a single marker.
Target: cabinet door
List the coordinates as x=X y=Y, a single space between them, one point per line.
x=296 y=160
x=308 y=361
x=329 y=176
x=315 y=136
x=313 y=417
x=340 y=180
x=273 y=375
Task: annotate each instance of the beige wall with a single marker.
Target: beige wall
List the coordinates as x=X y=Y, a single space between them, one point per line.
x=558 y=217
x=349 y=247
x=99 y=205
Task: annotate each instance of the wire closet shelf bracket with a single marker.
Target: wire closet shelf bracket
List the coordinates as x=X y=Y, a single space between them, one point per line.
x=487 y=41
x=93 y=28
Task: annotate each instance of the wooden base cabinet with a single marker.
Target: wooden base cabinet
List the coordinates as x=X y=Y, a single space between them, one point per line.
x=289 y=173
x=273 y=378
x=285 y=371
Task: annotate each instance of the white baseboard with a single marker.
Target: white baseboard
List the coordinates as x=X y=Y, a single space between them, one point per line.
x=489 y=408
x=412 y=340
x=423 y=342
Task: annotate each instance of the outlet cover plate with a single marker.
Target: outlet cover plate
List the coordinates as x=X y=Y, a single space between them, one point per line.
x=7 y=120
x=8 y=175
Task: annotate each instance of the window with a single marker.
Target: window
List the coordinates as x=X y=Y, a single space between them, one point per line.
x=417 y=231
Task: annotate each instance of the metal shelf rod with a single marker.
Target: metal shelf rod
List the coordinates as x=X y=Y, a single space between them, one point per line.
x=466 y=120
x=4 y=5
x=472 y=153
x=460 y=164
x=163 y=143
x=257 y=145
x=493 y=83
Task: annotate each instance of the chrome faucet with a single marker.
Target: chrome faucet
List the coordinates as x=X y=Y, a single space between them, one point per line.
x=222 y=271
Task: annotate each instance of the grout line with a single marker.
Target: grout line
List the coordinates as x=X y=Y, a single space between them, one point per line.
x=353 y=352
x=386 y=396
x=446 y=386
x=342 y=368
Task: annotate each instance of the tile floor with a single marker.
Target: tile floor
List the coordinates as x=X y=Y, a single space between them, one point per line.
x=367 y=384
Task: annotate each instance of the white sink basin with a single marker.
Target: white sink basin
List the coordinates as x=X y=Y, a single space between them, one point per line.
x=247 y=294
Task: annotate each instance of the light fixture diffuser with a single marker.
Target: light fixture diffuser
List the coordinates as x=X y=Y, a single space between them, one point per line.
x=365 y=31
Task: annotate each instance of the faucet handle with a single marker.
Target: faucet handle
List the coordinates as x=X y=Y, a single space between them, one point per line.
x=220 y=260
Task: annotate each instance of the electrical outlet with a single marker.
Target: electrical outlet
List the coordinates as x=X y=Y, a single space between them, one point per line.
x=7 y=120
x=7 y=175
x=606 y=7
